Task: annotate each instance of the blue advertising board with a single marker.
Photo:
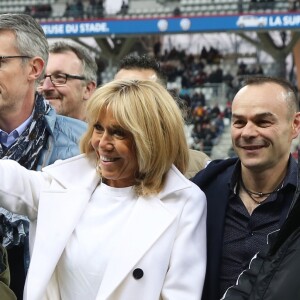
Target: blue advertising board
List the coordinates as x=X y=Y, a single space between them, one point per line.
x=251 y=22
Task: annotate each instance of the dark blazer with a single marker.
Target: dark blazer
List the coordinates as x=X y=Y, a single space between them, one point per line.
x=273 y=275
x=214 y=181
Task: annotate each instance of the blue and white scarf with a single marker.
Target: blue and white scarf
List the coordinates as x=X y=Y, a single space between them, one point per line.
x=25 y=150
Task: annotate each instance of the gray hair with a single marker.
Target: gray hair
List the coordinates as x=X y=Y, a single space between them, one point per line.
x=88 y=62
x=30 y=38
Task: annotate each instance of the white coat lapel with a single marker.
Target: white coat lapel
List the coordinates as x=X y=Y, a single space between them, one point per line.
x=146 y=224
x=58 y=216
x=59 y=210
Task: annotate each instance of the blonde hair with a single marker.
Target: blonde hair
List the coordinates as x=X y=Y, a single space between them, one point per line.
x=150 y=114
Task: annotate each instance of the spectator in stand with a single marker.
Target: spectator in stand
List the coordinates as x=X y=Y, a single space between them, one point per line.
x=31 y=132
x=210 y=136
x=250 y=196
x=91 y=8
x=229 y=88
x=213 y=56
x=198 y=132
x=27 y=9
x=204 y=53
x=253 y=4
x=176 y=12
x=147 y=68
x=255 y=69
x=198 y=113
x=198 y=98
x=124 y=8
x=80 y=9
x=240 y=6
x=227 y=110
x=283 y=36
x=74 y=10
x=100 y=9
x=68 y=9
x=70 y=79
x=294 y=5
x=216 y=76
x=242 y=69
x=268 y=4
x=219 y=124
x=215 y=111
x=40 y=10
x=95 y=9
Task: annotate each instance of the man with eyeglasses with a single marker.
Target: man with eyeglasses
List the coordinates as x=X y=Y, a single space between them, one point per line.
x=30 y=130
x=70 y=79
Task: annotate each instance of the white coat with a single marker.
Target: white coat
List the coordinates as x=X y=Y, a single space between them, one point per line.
x=165 y=236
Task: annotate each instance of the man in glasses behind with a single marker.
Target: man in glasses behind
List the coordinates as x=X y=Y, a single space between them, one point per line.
x=70 y=79
x=30 y=130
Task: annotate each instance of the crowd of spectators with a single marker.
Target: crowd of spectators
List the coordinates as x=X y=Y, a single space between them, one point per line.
x=192 y=69
x=206 y=117
x=208 y=126
x=207 y=121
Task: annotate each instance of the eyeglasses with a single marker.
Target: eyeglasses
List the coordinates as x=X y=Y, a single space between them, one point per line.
x=58 y=79
x=12 y=56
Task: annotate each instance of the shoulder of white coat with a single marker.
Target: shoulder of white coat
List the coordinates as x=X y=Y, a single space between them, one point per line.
x=78 y=170
x=176 y=181
x=60 y=163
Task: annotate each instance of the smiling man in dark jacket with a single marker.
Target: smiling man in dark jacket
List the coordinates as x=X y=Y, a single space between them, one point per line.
x=248 y=197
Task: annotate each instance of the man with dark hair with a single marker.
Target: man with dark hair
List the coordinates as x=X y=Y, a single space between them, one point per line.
x=250 y=196
x=145 y=67
x=31 y=133
x=142 y=66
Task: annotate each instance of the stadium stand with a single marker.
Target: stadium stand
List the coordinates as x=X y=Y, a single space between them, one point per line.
x=27 y=6
x=56 y=9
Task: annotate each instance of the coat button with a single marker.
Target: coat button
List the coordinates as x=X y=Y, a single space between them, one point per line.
x=138 y=273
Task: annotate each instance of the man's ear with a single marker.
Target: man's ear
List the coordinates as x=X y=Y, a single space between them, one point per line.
x=89 y=90
x=36 y=65
x=296 y=125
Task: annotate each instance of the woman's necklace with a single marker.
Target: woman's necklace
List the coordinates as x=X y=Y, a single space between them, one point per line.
x=256 y=195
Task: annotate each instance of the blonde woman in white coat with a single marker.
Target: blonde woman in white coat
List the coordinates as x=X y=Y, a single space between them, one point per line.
x=120 y=221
